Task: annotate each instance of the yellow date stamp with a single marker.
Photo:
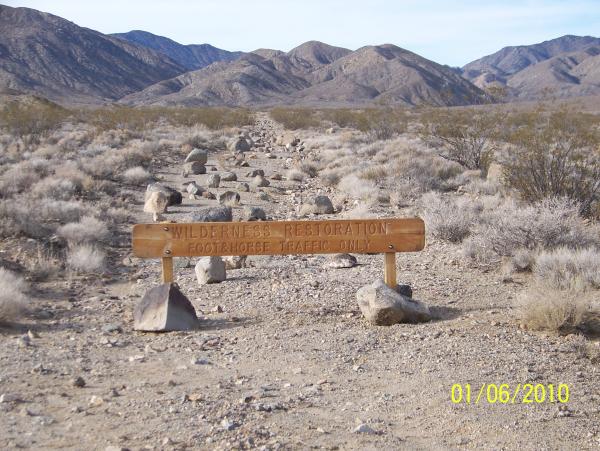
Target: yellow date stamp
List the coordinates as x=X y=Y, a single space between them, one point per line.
x=509 y=394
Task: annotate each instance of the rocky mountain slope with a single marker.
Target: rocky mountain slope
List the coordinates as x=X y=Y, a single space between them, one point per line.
x=44 y=54
x=562 y=67
x=192 y=57
x=316 y=73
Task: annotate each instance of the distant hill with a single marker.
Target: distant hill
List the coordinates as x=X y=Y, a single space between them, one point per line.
x=562 y=67
x=43 y=54
x=315 y=73
x=192 y=57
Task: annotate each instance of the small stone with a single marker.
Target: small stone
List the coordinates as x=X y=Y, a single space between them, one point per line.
x=213 y=181
x=33 y=335
x=255 y=173
x=260 y=181
x=110 y=328
x=199 y=361
x=24 y=341
x=318 y=205
x=341 y=261
x=243 y=187
x=96 y=401
x=364 y=429
x=229 y=198
x=197 y=155
x=194 y=188
x=217 y=309
x=253 y=214
x=213 y=214
x=208 y=195
x=228 y=425
x=10 y=398
x=276 y=176
x=194 y=167
x=228 y=177
x=78 y=382
x=167 y=441
x=210 y=270
x=235 y=261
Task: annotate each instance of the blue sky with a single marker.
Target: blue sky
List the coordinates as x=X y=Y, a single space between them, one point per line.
x=449 y=32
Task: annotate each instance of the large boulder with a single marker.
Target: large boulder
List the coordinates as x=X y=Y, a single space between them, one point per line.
x=197 y=155
x=229 y=198
x=235 y=261
x=318 y=205
x=164 y=308
x=175 y=197
x=210 y=270
x=213 y=214
x=384 y=306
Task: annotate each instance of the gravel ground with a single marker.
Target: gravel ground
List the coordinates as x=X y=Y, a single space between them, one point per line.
x=284 y=360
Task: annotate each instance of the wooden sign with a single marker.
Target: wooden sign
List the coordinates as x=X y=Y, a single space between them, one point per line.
x=167 y=240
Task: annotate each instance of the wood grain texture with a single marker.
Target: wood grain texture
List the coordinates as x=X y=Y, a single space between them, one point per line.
x=167 y=270
x=389 y=274
x=357 y=236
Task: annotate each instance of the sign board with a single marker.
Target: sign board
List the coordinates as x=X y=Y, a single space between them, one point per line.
x=278 y=237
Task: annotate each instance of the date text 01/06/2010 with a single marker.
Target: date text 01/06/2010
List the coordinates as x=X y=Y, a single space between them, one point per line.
x=505 y=394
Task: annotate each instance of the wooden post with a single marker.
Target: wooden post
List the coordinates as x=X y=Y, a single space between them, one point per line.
x=167 y=269
x=390 y=269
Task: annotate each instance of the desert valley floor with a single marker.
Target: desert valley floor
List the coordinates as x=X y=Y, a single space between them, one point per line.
x=283 y=358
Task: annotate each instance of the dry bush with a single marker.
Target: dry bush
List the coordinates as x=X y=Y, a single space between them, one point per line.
x=86 y=258
x=13 y=301
x=565 y=268
x=548 y=224
x=463 y=136
x=376 y=123
x=330 y=177
x=136 y=175
x=87 y=230
x=55 y=188
x=33 y=117
x=556 y=155
x=309 y=168
x=357 y=188
x=295 y=118
x=295 y=174
x=543 y=307
x=448 y=219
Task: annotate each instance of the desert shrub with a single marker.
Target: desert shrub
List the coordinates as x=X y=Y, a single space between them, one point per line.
x=86 y=258
x=377 y=123
x=17 y=179
x=88 y=229
x=330 y=177
x=43 y=266
x=295 y=118
x=565 y=268
x=55 y=188
x=465 y=137
x=12 y=295
x=309 y=168
x=136 y=175
x=35 y=117
x=376 y=174
x=295 y=174
x=357 y=188
x=547 y=224
x=555 y=155
x=424 y=172
x=448 y=219
x=543 y=307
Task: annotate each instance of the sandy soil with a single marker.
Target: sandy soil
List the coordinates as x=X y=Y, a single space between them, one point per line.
x=283 y=359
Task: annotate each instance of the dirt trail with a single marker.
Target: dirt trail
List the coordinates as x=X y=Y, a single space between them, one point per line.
x=289 y=363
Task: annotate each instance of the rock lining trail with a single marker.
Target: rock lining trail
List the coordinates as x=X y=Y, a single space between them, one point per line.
x=284 y=359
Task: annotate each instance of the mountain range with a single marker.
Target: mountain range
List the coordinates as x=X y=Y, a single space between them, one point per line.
x=51 y=57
